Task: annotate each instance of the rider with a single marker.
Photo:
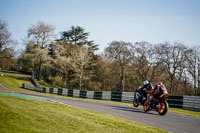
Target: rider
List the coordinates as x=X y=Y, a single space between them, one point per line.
x=145 y=89
x=159 y=90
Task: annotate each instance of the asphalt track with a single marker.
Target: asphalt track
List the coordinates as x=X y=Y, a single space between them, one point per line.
x=171 y=122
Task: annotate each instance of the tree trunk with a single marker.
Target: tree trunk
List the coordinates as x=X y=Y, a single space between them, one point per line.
x=122 y=82
x=40 y=70
x=171 y=85
x=66 y=80
x=80 y=82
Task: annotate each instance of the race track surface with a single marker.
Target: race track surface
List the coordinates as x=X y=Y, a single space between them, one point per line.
x=171 y=122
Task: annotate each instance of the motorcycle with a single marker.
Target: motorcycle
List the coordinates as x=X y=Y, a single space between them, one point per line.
x=139 y=98
x=159 y=104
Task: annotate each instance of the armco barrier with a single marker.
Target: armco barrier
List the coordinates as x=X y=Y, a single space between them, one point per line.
x=90 y=94
x=106 y=95
x=51 y=90
x=55 y=90
x=44 y=89
x=76 y=93
x=83 y=94
x=60 y=91
x=127 y=97
x=177 y=101
x=98 y=95
x=31 y=87
x=116 y=96
x=70 y=93
x=191 y=103
x=65 y=92
x=47 y=90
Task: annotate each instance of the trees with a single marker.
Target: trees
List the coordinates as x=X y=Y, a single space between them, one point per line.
x=193 y=66
x=77 y=35
x=6 y=52
x=147 y=61
x=81 y=61
x=5 y=40
x=174 y=64
x=120 y=53
x=37 y=57
x=173 y=57
x=72 y=59
x=60 y=54
x=81 y=53
x=38 y=37
x=41 y=34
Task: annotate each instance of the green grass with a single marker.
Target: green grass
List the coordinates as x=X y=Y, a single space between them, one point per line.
x=184 y=112
x=24 y=115
x=15 y=83
x=14 y=73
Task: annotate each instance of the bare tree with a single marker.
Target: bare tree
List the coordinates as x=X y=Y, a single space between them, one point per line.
x=81 y=61
x=120 y=53
x=41 y=34
x=5 y=40
x=193 y=63
x=173 y=56
x=147 y=61
x=68 y=57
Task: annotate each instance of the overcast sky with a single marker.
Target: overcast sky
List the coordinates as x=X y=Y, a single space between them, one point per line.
x=154 y=21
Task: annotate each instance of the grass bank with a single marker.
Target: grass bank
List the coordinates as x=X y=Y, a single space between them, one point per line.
x=24 y=115
x=13 y=82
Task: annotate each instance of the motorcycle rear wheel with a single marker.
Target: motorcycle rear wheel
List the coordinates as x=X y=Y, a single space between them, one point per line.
x=163 y=108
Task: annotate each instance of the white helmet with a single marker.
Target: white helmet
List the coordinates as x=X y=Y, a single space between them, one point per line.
x=146 y=82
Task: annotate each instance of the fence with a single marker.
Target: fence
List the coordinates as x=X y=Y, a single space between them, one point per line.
x=191 y=103
x=184 y=102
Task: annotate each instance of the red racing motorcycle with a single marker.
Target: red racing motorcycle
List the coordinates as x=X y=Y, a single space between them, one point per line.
x=159 y=104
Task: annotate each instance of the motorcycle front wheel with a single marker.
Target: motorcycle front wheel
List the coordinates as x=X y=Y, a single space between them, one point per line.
x=162 y=110
x=146 y=107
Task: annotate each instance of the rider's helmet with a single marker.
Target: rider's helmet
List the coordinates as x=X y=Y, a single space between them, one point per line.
x=146 y=82
x=148 y=85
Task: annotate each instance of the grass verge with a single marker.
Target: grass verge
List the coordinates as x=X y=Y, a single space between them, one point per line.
x=185 y=112
x=24 y=115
